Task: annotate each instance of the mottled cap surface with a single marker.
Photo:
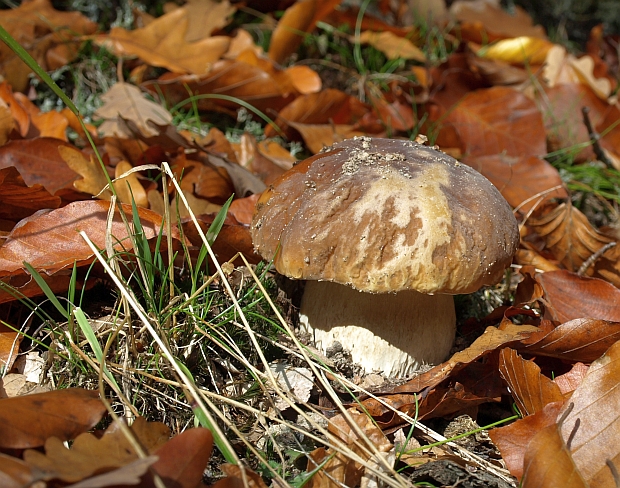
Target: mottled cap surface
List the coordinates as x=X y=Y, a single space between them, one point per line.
x=385 y=215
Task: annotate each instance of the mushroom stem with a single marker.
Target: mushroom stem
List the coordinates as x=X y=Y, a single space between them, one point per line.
x=393 y=332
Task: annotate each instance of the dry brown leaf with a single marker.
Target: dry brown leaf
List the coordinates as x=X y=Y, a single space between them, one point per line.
x=234 y=478
x=513 y=178
x=46 y=33
x=21 y=119
x=318 y=108
x=341 y=469
x=206 y=16
x=484 y=21
x=49 y=124
x=568 y=235
x=561 y=67
x=162 y=43
x=494 y=121
x=276 y=153
x=129 y=187
x=492 y=339
x=14 y=473
x=529 y=388
x=30 y=241
x=9 y=348
x=234 y=79
x=548 y=462
x=568 y=382
x=317 y=136
x=90 y=455
x=287 y=35
x=569 y=296
x=93 y=179
x=250 y=157
x=38 y=162
x=18 y=200
x=591 y=429
x=513 y=440
x=7 y=124
x=27 y=421
x=127 y=101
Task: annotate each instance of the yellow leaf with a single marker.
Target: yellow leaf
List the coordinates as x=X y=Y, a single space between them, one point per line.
x=393 y=46
x=519 y=50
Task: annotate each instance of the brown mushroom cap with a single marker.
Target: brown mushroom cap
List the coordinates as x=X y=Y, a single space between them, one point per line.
x=386 y=215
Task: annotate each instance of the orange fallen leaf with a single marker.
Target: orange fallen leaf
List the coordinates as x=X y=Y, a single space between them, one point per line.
x=497 y=120
x=90 y=455
x=530 y=389
x=513 y=178
x=513 y=440
x=18 y=200
x=48 y=34
x=27 y=421
x=591 y=427
x=162 y=43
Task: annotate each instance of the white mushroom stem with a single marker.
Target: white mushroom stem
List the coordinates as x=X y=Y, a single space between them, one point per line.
x=393 y=333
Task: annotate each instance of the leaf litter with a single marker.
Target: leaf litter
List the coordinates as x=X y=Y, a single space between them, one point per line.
x=504 y=99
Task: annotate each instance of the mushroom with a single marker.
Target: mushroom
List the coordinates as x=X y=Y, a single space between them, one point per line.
x=385 y=231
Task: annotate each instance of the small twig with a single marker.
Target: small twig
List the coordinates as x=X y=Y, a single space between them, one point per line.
x=594 y=257
x=595 y=138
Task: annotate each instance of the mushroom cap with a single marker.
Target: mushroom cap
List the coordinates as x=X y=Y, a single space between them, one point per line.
x=386 y=215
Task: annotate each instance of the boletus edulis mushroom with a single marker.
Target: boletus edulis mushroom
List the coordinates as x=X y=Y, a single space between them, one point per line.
x=385 y=231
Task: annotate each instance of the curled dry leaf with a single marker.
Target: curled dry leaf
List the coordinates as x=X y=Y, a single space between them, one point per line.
x=128 y=187
x=183 y=459
x=43 y=124
x=14 y=473
x=492 y=339
x=18 y=200
x=341 y=469
x=287 y=35
x=250 y=157
x=299 y=18
x=548 y=462
x=530 y=389
x=572 y=240
x=230 y=78
x=569 y=296
x=591 y=429
x=90 y=455
x=512 y=440
x=9 y=350
x=27 y=421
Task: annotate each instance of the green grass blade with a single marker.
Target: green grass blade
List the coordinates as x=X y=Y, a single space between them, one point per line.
x=89 y=333
x=47 y=290
x=218 y=222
